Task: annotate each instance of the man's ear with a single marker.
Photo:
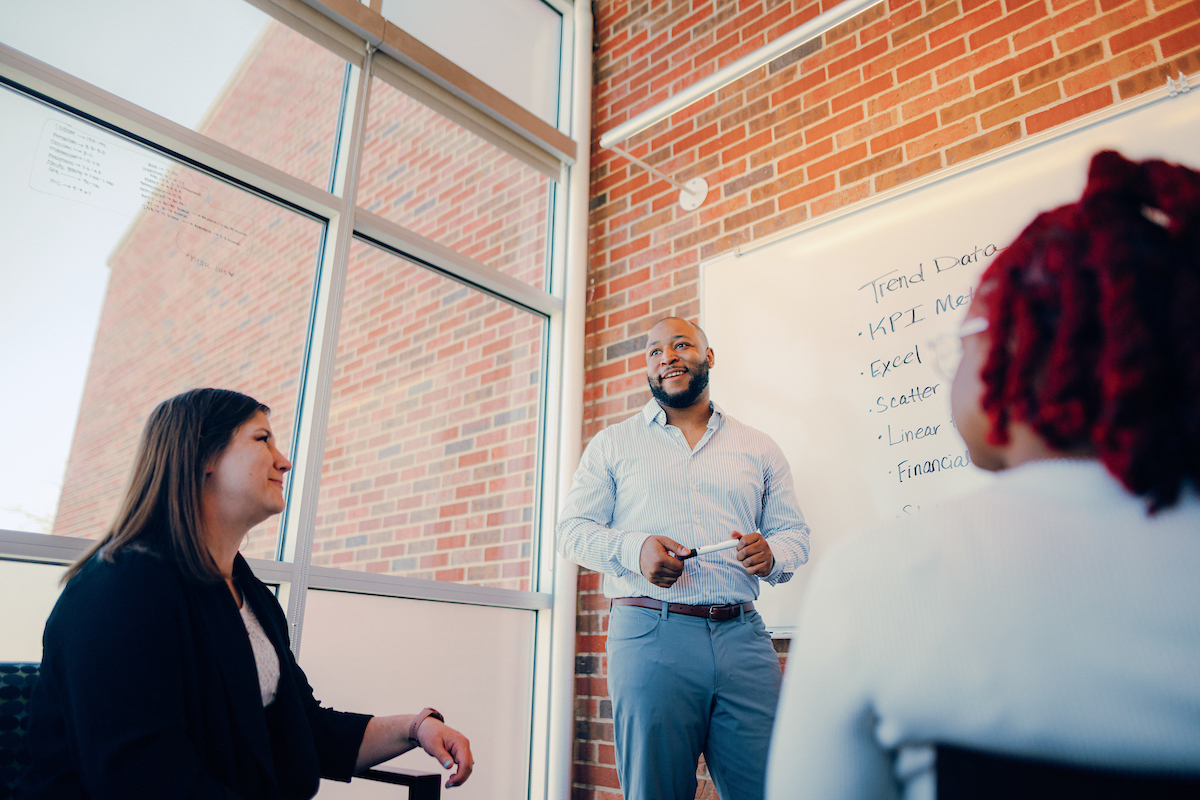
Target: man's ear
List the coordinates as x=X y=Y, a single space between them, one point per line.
x=712 y=358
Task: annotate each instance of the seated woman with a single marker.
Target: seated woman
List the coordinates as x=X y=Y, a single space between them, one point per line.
x=166 y=670
x=1054 y=614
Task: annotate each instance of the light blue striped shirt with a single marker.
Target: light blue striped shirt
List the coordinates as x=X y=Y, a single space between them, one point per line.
x=638 y=479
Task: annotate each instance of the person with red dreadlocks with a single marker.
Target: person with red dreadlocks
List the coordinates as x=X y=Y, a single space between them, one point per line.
x=1053 y=616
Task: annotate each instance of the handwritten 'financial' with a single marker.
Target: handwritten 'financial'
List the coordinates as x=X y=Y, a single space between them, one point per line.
x=906 y=470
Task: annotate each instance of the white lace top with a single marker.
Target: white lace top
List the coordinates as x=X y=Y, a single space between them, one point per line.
x=265 y=657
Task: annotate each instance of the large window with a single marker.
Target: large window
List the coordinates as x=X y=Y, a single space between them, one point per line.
x=130 y=278
x=220 y=197
x=431 y=454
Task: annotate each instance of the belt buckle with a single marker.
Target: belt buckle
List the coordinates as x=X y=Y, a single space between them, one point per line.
x=712 y=612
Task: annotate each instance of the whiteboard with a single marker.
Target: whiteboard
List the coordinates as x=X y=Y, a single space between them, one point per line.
x=822 y=337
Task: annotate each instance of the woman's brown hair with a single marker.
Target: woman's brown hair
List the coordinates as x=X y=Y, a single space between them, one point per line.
x=161 y=509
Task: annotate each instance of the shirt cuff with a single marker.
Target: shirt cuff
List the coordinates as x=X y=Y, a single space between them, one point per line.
x=777 y=571
x=631 y=551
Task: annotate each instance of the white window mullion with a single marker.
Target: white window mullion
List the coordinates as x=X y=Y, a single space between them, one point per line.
x=300 y=526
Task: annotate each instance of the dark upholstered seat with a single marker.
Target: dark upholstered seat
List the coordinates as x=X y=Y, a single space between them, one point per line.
x=964 y=774
x=16 y=688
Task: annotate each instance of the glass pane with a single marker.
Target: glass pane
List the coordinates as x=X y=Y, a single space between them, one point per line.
x=514 y=46
x=431 y=457
x=474 y=664
x=438 y=179
x=28 y=591
x=127 y=278
x=222 y=68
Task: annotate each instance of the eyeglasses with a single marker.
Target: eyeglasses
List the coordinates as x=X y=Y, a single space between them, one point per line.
x=947 y=348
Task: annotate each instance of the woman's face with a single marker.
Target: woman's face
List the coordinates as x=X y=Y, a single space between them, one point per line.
x=966 y=395
x=246 y=481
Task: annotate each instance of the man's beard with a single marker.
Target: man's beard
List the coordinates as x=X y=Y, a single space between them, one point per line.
x=697 y=383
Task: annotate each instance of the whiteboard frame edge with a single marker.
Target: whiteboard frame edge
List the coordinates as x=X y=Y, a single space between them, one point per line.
x=700 y=293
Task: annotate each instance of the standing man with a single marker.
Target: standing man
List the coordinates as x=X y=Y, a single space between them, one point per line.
x=691 y=668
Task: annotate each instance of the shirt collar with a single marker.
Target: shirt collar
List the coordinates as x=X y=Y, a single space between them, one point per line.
x=653 y=414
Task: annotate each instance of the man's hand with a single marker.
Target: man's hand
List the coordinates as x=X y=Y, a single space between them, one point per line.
x=658 y=562
x=448 y=746
x=754 y=553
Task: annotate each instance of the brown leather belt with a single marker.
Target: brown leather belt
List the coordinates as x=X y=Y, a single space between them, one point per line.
x=715 y=613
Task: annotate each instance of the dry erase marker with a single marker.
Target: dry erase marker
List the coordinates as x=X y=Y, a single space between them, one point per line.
x=709 y=548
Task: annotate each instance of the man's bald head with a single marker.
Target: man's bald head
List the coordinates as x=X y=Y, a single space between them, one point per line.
x=699 y=332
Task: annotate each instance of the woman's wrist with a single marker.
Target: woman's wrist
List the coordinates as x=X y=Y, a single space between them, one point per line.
x=424 y=714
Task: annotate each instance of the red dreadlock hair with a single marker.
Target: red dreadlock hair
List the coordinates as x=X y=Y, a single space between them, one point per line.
x=1093 y=320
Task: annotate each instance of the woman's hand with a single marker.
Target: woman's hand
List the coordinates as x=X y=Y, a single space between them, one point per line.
x=387 y=737
x=448 y=746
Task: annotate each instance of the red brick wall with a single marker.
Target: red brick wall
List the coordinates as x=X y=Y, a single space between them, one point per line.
x=434 y=177
x=903 y=90
x=431 y=450
x=281 y=107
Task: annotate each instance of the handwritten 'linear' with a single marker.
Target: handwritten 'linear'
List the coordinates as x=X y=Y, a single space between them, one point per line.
x=906 y=435
x=884 y=285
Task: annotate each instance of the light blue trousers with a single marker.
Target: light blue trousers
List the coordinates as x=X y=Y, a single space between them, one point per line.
x=682 y=686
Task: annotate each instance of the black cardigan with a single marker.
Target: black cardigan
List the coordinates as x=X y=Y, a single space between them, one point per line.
x=149 y=689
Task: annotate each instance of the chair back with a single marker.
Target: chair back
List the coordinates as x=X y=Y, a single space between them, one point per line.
x=965 y=774
x=16 y=689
